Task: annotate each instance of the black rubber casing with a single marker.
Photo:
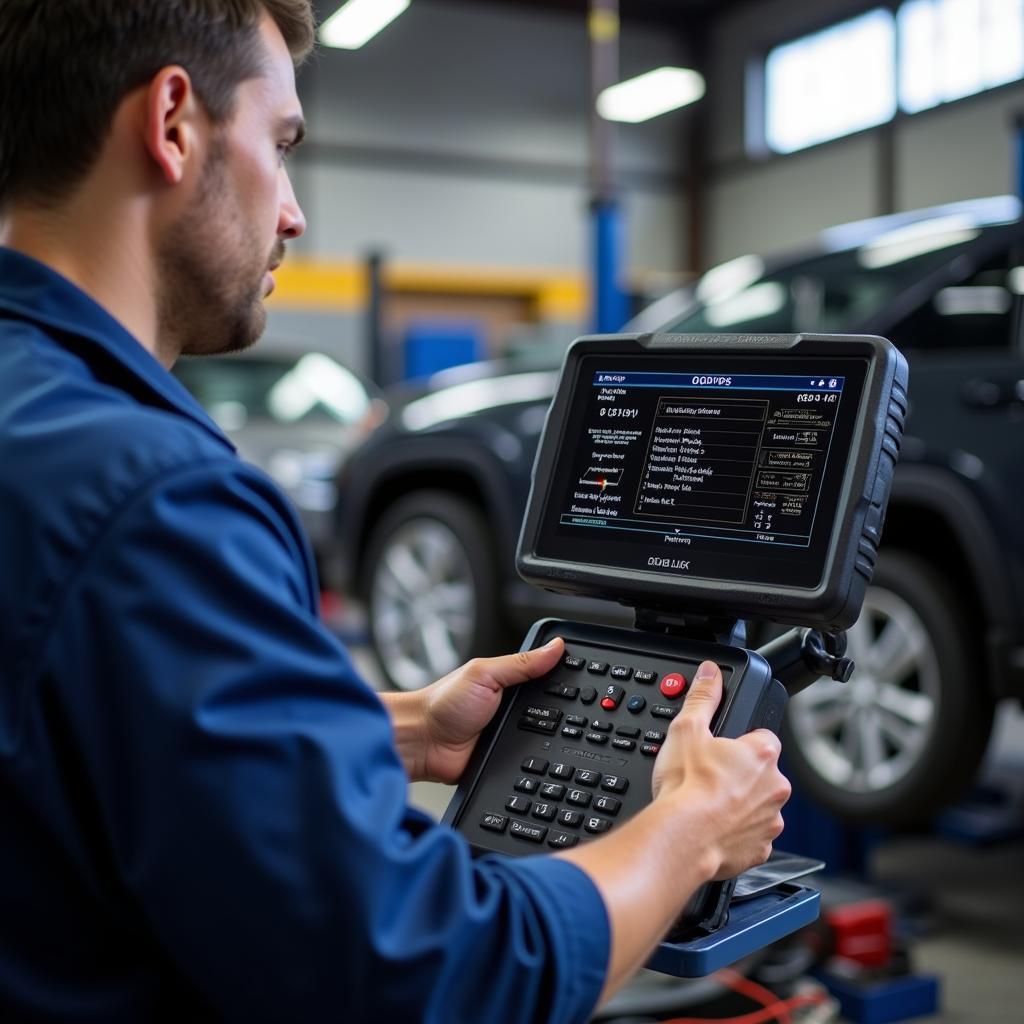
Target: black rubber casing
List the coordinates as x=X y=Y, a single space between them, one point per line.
x=752 y=699
x=853 y=547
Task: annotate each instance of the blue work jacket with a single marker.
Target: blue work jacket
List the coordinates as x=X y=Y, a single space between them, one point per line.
x=202 y=812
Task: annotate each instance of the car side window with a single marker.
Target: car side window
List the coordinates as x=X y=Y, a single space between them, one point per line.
x=980 y=312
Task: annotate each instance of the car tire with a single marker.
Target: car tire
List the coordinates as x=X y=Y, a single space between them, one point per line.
x=904 y=737
x=431 y=588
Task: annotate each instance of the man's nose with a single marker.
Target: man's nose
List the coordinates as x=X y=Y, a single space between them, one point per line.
x=291 y=220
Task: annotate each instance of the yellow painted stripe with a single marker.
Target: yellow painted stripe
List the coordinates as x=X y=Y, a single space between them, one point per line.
x=312 y=285
x=342 y=287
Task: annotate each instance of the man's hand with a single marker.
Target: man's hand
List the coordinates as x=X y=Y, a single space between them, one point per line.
x=715 y=813
x=737 y=781
x=437 y=727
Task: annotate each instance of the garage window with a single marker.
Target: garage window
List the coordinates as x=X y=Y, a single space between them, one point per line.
x=949 y=49
x=830 y=83
x=855 y=75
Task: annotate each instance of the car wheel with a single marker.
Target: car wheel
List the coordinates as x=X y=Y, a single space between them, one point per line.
x=904 y=736
x=431 y=588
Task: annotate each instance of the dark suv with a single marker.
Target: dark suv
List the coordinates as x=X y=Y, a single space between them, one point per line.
x=430 y=507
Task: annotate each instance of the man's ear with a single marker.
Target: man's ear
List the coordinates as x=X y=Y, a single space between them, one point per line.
x=171 y=113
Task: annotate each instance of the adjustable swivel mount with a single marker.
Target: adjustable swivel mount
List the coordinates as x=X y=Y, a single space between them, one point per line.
x=801 y=656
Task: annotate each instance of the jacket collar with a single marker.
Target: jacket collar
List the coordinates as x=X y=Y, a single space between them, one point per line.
x=32 y=291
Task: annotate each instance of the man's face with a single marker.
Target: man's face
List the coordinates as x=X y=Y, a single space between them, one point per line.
x=215 y=261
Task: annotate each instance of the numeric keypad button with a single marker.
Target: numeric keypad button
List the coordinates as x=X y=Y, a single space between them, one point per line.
x=544 y=811
x=597 y=825
x=587 y=777
x=562 y=840
x=561 y=771
x=607 y=805
x=664 y=711
x=535 y=765
x=524 y=830
x=552 y=791
x=526 y=785
x=578 y=797
x=517 y=804
x=614 y=784
x=570 y=819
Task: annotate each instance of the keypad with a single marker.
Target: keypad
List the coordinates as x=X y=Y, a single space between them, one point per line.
x=560 y=802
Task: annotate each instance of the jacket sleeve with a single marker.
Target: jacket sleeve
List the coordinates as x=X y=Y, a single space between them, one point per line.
x=252 y=799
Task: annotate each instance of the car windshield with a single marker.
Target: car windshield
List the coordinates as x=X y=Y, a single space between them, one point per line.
x=832 y=292
x=235 y=390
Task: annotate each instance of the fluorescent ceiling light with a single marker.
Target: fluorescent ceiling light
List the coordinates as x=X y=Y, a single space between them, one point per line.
x=358 y=21
x=656 y=92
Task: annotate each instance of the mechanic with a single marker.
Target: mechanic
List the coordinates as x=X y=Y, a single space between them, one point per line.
x=204 y=809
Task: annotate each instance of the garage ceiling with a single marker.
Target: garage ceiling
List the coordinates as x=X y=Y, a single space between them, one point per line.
x=675 y=14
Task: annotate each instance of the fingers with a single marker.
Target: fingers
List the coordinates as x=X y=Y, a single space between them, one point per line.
x=510 y=669
x=704 y=697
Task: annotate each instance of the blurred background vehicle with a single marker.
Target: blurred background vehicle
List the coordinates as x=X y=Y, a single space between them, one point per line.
x=295 y=415
x=430 y=505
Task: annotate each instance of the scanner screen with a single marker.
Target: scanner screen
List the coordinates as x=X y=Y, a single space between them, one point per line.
x=701 y=466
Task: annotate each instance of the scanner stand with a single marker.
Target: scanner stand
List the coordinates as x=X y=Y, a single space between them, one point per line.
x=743 y=926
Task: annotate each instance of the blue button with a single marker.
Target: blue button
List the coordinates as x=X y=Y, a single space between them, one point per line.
x=636 y=704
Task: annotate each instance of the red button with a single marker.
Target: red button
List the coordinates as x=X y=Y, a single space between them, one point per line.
x=608 y=704
x=672 y=685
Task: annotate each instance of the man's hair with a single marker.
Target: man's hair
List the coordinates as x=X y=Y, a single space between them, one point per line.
x=66 y=65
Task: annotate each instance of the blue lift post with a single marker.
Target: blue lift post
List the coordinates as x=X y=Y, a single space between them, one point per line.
x=610 y=303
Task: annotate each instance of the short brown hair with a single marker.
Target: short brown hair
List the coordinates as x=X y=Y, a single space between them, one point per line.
x=66 y=65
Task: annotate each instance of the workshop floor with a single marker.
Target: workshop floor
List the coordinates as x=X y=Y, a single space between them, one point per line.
x=972 y=935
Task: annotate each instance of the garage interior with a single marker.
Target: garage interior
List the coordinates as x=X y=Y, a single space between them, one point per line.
x=453 y=163
x=485 y=181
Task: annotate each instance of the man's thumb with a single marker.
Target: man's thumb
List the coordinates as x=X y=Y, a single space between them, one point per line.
x=510 y=669
x=705 y=694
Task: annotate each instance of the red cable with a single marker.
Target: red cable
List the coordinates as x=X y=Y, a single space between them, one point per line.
x=766 y=1013
x=752 y=990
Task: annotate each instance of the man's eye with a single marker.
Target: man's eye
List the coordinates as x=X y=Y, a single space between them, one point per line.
x=284 y=150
